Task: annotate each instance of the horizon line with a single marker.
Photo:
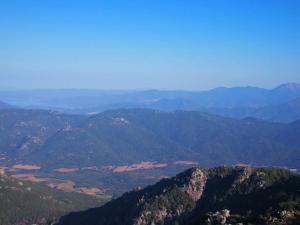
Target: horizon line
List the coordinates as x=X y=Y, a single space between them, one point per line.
x=141 y=89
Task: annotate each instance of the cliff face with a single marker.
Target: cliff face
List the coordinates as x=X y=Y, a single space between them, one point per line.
x=174 y=199
x=223 y=195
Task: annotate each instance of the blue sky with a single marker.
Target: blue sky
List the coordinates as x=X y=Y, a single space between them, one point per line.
x=138 y=44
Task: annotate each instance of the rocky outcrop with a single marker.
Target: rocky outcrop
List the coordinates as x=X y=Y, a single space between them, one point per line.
x=223 y=195
x=196 y=184
x=191 y=187
x=218 y=217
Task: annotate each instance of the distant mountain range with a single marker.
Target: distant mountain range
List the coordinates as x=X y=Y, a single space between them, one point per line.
x=223 y=195
x=122 y=141
x=237 y=102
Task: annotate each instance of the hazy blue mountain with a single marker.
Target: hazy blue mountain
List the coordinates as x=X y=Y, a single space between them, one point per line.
x=285 y=112
x=236 y=102
x=284 y=92
x=4 y=105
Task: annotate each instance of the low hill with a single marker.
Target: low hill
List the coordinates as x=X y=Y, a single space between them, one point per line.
x=28 y=203
x=224 y=195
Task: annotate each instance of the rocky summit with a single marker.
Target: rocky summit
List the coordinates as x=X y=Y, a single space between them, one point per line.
x=222 y=195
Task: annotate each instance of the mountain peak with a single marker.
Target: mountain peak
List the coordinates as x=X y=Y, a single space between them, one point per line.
x=288 y=86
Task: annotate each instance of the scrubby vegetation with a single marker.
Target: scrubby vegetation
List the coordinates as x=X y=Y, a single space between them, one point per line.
x=28 y=203
x=223 y=195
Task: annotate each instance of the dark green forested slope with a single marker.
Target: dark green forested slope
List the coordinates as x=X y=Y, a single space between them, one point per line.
x=24 y=131
x=128 y=136
x=27 y=203
x=224 y=195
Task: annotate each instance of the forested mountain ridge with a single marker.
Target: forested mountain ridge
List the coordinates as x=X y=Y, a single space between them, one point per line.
x=223 y=195
x=133 y=135
x=123 y=136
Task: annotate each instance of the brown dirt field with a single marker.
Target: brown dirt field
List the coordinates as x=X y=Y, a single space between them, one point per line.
x=138 y=166
x=185 y=163
x=63 y=185
x=91 y=191
x=66 y=170
x=26 y=167
x=68 y=186
x=29 y=177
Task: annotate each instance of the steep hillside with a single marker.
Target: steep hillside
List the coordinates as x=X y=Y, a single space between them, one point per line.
x=27 y=203
x=111 y=138
x=23 y=131
x=224 y=195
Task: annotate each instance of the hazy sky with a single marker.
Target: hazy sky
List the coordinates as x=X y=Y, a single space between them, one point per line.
x=127 y=44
